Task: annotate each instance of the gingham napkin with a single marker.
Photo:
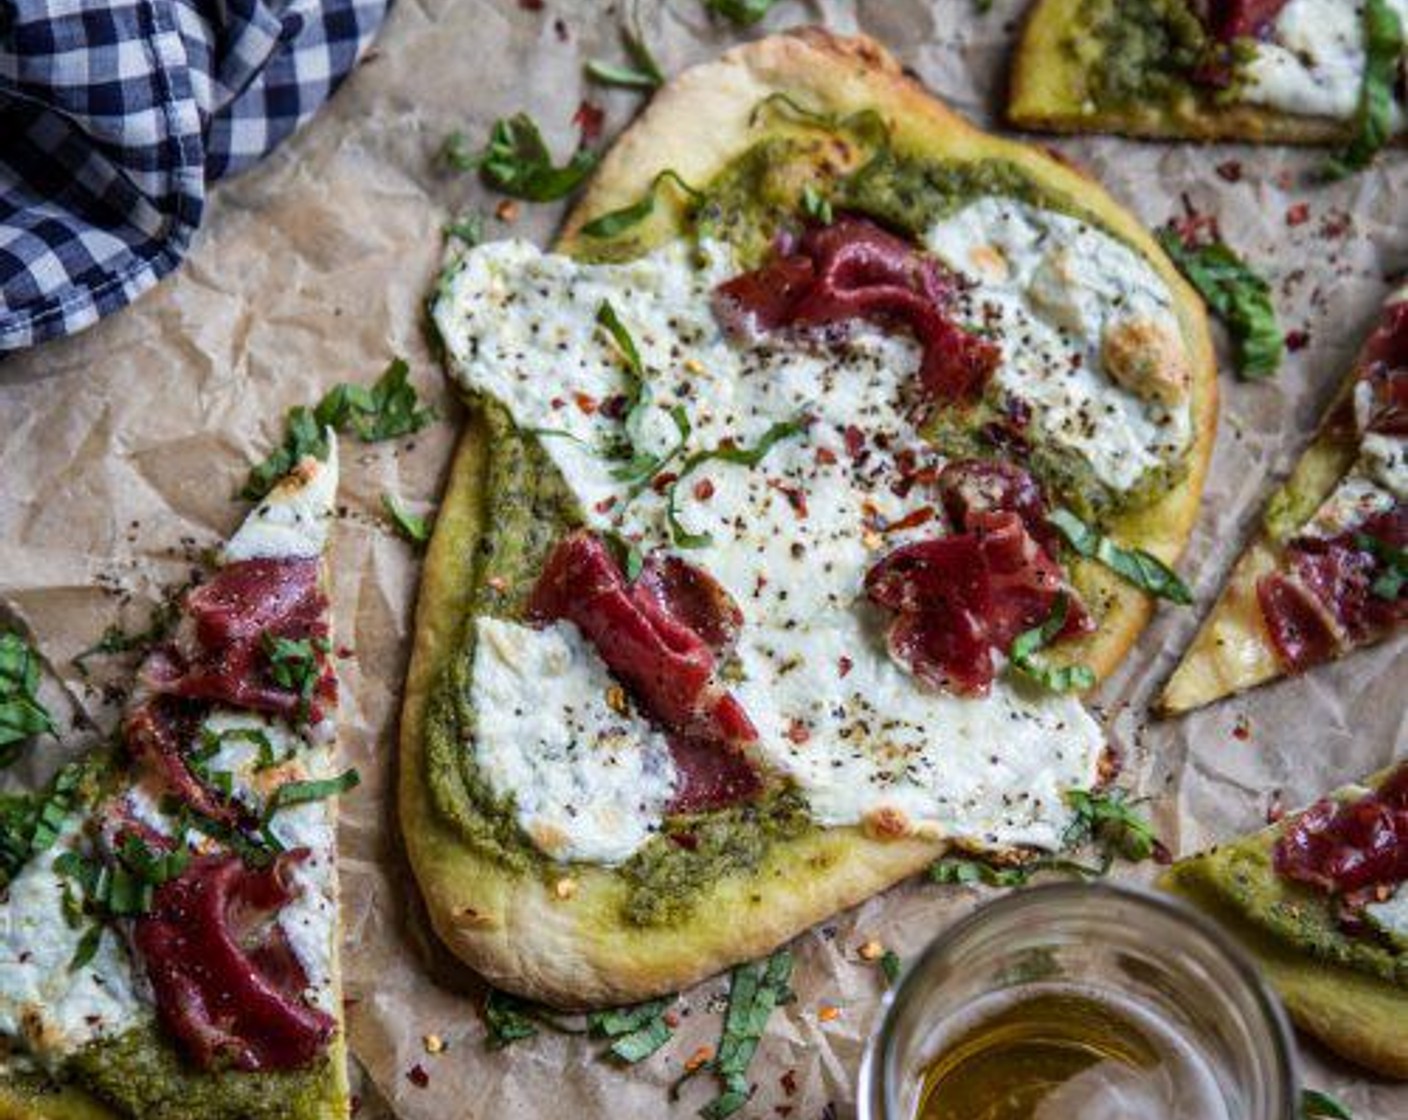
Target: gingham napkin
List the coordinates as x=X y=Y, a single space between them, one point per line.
x=115 y=115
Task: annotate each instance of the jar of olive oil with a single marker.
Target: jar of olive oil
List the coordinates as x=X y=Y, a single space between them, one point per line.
x=1081 y=1002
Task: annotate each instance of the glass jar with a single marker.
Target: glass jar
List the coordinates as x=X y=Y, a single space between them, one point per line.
x=1152 y=957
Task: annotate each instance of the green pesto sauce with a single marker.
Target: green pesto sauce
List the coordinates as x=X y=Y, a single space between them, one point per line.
x=1135 y=54
x=140 y=1074
x=1241 y=876
x=528 y=506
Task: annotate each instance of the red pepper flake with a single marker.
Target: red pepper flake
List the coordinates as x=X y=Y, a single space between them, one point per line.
x=589 y=118
x=1297 y=340
x=663 y=481
x=1230 y=171
x=531 y=5
x=1275 y=808
x=844 y=665
x=1242 y=729
x=671 y=1018
x=1337 y=223
x=615 y=406
x=698 y=1058
x=797 y=732
x=1162 y=856
x=345 y=653
x=557 y=403
x=1298 y=214
x=911 y=520
x=586 y=402
x=704 y=489
x=417 y=1076
x=825 y=456
x=855 y=441
x=605 y=504
x=794 y=495
x=1195 y=228
x=354 y=1104
x=789 y=1082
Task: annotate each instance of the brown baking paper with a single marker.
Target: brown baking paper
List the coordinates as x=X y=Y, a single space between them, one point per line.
x=123 y=448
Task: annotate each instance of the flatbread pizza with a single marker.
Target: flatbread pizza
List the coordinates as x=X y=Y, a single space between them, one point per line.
x=168 y=920
x=833 y=451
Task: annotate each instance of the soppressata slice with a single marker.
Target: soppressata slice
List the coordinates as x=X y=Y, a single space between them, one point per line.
x=173 y=951
x=1320 y=897
x=1326 y=574
x=1287 y=70
x=753 y=588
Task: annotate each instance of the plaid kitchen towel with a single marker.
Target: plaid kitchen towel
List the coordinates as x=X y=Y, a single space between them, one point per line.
x=114 y=116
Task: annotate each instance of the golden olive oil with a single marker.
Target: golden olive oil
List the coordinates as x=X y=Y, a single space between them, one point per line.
x=1063 y=1054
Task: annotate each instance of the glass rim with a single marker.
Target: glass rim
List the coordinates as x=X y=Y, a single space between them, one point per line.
x=877 y=1098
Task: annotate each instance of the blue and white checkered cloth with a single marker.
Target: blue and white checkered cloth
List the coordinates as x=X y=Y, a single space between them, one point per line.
x=114 y=117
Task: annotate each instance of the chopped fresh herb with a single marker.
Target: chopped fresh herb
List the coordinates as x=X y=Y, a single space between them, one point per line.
x=299 y=793
x=645 y=73
x=614 y=222
x=117 y=640
x=891 y=966
x=1054 y=678
x=636 y=1032
x=1315 y=1104
x=866 y=126
x=256 y=849
x=125 y=886
x=267 y=759
x=1110 y=819
x=969 y=870
x=30 y=823
x=516 y=161
x=87 y=947
x=294 y=665
x=1140 y=568
x=1237 y=295
x=412 y=526
x=22 y=716
x=816 y=205
x=628 y=555
x=468 y=228
x=508 y=1019
x=390 y=408
x=743 y=13
x=1373 y=119
x=755 y=990
x=728 y=453
x=1388 y=584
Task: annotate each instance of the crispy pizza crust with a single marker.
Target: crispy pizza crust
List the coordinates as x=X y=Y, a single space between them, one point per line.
x=1049 y=90
x=567 y=945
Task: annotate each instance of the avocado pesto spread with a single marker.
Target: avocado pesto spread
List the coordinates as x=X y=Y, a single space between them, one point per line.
x=546 y=479
x=1137 y=53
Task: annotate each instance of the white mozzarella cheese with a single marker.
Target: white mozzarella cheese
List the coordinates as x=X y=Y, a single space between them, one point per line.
x=1050 y=286
x=47 y=1007
x=589 y=777
x=292 y=519
x=1313 y=63
x=1384 y=458
x=790 y=539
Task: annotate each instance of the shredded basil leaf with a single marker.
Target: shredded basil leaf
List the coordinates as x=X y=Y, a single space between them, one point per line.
x=1315 y=1104
x=515 y=160
x=636 y=1032
x=508 y=1020
x=22 y=716
x=1110 y=819
x=116 y=640
x=87 y=947
x=891 y=966
x=728 y=453
x=816 y=205
x=293 y=664
x=1388 y=584
x=755 y=990
x=412 y=526
x=1373 y=119
x=1143 y=569
x=1054 y=678
x=1238 y=296
x=743 y=13
x=300 y=793
x=390 y=408
x=468 y=228
x=30 y=823
x=644 y=74
x=614 y=222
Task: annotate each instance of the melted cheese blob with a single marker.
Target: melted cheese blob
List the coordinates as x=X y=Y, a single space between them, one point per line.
x=1313 y=63
x=792 y=537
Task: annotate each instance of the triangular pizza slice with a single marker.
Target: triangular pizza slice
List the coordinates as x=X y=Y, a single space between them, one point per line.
x=1327 y=572
x=1320 y=898
x=169 y=936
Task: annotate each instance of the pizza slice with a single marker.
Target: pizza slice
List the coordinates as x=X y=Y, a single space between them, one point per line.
x=1286 y=71
x=1326 y=574
x=833 y=452
x=168 y=926
x=1321 y=899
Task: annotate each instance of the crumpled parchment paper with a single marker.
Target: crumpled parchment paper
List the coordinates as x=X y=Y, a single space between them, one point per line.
x=124 y=446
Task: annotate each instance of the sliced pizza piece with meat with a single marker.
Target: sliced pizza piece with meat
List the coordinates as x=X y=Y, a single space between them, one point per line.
x=170 y=937
x=1321 y=898
x=1287 y=71
x=1328 y=572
